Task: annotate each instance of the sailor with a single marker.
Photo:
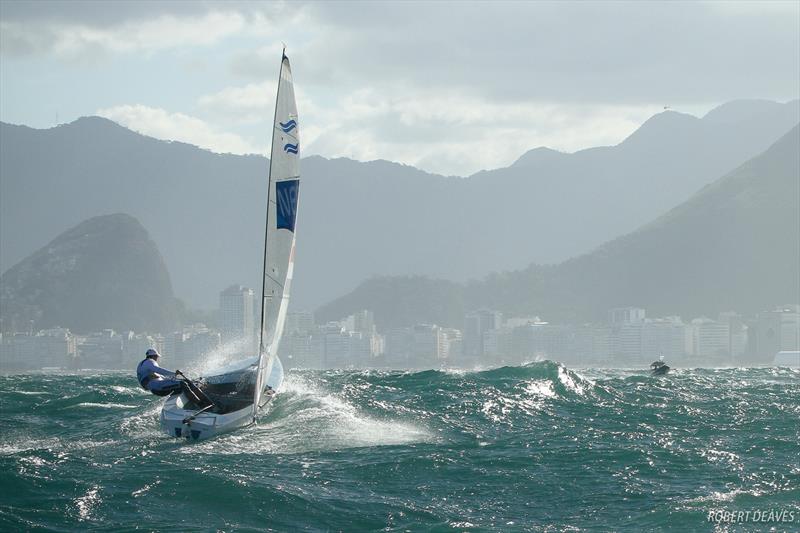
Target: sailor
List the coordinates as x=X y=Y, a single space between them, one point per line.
x=155 y=379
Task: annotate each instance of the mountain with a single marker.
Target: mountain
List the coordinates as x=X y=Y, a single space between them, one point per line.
x=735 y=245
x=361 y=220
x=201 y=208
x=103 y=273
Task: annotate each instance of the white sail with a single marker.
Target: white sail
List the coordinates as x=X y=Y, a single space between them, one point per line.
x=284 y=183
x=221 y=402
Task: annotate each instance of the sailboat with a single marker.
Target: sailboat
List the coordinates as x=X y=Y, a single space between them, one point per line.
x=233 y=396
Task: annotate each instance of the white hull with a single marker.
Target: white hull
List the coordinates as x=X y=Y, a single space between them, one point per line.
x=182 y=423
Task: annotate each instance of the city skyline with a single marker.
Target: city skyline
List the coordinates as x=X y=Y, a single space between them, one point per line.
x=627 y=339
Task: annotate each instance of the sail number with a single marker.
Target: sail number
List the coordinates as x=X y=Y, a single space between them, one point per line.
x=286 y=195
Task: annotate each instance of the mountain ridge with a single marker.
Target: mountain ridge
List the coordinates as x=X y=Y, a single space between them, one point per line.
x=356 y=220
x=704 y=256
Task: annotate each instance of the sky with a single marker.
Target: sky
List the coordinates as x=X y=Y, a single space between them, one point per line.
x=448 y=87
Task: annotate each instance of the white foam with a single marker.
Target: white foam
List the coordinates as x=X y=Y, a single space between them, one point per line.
x=53 y=444
x=724 y=496
x=144 y=424
x=145 y=489
x=86 y=503
x=540 y=387
x=317 y=420
x=579 y=386
x=530 y=400
x=106 y=405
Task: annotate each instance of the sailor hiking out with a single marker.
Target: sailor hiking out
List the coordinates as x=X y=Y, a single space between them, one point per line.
x=163 y=382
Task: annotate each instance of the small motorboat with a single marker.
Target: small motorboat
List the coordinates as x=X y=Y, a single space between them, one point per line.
x=659 y=368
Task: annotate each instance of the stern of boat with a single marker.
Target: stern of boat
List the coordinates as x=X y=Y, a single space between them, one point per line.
x=187 y=424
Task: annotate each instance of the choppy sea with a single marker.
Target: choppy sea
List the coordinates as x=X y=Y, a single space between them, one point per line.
x=534 y=448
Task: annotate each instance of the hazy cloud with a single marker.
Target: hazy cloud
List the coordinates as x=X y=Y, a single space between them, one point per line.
x=582 y=51
x=450 y=86
x=162 y=124
x=460 y=134
x=77 y=40
x=123 y=26
x=253 y=101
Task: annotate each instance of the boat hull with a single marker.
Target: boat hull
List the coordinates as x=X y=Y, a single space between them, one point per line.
x=660 y=371
x=192 y=425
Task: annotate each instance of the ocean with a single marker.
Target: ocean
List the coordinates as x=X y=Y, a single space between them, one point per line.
x=539 y=447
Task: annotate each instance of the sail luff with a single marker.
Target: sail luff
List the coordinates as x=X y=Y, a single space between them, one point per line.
x=261 y=351
x=279 y=238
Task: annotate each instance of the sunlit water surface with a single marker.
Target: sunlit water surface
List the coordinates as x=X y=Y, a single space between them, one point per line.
x=538 y=447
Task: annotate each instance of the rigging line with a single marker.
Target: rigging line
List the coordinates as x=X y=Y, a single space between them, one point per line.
x=273 y=279
x=294 y=137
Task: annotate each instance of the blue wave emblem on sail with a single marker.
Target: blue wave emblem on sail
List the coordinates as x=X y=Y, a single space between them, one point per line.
x=286 y=198
x=290 y=148
x=289 y=126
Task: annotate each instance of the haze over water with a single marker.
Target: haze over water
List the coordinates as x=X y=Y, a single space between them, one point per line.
x=538 y=447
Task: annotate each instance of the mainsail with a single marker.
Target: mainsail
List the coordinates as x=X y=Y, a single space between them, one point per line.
x=284 y=186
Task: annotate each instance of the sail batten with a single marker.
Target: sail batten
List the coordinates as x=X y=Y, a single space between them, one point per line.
x=279 y=238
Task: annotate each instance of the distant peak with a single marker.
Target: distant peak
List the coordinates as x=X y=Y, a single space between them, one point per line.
x=737 y=110
x=93 y=119
x=117 y=222
x=667 y=124
x=95 y=123
x=537 y=156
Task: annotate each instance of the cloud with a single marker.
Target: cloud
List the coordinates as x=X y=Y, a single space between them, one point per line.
x=75 y=40
x=449 y=133
x=256 y=64
x=438 y=132
x=71 y=29
x=578 y=52
x=402 y=81
x=162 y=124
x=252 y=102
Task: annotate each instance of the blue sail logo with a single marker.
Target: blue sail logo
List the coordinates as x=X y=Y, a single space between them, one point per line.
x=286 y=198
x=290 y=148
x=289 y=126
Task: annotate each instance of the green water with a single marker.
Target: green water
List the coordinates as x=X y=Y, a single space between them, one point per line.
x=533 y=448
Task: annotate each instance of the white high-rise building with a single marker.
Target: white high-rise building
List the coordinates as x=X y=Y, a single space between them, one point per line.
x=626 y=315
x=300 y=322
x=778 y=330
x=361 y=322
x=451 y=338
x=429 y=343
x=710 y=339
x=475 y=325
x=663 y=337
x=238 y=316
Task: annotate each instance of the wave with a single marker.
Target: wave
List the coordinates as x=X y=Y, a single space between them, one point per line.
x=306 y=416
x=494 y=449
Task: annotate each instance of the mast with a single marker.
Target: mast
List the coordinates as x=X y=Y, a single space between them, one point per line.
x=261 y=348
